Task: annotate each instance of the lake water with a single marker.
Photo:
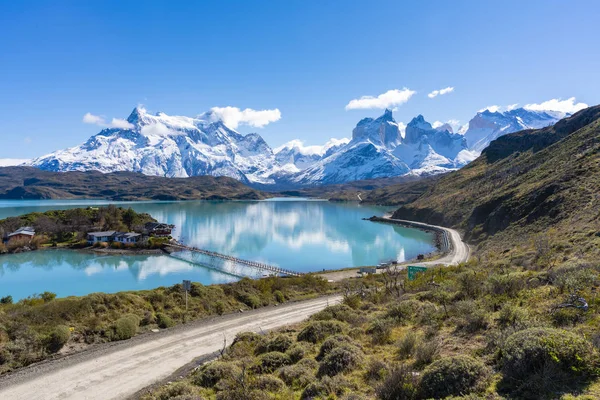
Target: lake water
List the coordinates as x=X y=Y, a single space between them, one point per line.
x=299 y=235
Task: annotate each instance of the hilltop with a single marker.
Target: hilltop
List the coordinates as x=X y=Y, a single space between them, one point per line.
x=32 y=183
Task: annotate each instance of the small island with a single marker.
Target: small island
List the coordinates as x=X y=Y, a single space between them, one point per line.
x=109 y=228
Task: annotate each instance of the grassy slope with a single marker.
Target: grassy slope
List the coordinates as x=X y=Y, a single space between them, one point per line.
x=32 y=183
x=518 y=187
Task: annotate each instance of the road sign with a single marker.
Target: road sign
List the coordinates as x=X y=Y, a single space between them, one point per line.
x=187 y=285
x=413 y=270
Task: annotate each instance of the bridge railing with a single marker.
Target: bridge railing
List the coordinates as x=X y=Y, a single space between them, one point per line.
x=237 y=260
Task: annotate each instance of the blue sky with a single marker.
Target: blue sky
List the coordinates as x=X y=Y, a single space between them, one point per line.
x=62 y=59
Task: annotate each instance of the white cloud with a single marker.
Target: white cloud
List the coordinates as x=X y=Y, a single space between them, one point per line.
x=233 y=116
x=120 y=123
x=90 y=118
x=311 y=150
x=511 y=107
x=565 y=106
x=157 y=129
x=389 y=99
x=440 y=92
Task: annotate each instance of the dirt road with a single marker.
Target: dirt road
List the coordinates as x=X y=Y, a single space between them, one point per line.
x=458 y=252
x=120 y=370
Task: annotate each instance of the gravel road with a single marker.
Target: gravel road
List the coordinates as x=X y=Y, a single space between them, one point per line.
x=119 y=370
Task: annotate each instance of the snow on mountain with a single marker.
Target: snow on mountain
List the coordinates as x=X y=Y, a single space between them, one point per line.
x=179 y=146
x=172 y=146
x=11 y=162
x=294 y=156
x=489 y=125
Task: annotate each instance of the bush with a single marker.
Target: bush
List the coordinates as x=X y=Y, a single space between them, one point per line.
x=470 y=318
x=404 y=311
x=401 y=384
x=426 y=352
x=326 y=388
x=279 y=297
x=210 y=374
x=268 y=383
x=380 y=331
x=125 y=328
x=58 y=338
x=48 y=296
x=406 y=345
x=251 y=300
x=279 y=343
x=6 y=300
x=340 y=312
x=340 y=359
x=512 y=316
x=220 y=307
x=317 y=331
x=177 y=390
x=542 y=360
x=376 y=370
x=297 y=351
x=454 y=376
x=271 y=361
x=296 y=376
x=164 y=321
x=333 y=342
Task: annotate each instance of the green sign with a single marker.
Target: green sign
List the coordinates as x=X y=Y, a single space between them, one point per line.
x=413 y=270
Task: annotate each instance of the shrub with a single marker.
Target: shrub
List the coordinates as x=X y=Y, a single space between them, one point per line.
x=296 y=376
x=340 y=359
x=279 y=297
x=125 y=328
x=470 y=318
x=340 y=312
x=177 y=390
x=401 y=384
x=279 y=343
x=426 y=352
x=6 y=300
x=406 y=345
x=219 y=307
x=512 y=316
x=317 y=331
x=327 y=387
x=269 y=362
x=297 y=351
x=164 y=321
x=210 y=374
x=268 y=383
x=333 y=342
x=404 y=311
x=251 y=300
x=376 y=370
x=380 y=331
x=48 y=296
x=450 y=376
x=58 y=338
x=541 y=360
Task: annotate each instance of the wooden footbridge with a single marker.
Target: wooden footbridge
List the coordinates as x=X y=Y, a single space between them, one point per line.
x=253 y=264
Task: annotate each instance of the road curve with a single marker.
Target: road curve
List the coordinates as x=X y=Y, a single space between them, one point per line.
x=459 y=251
x=121 y=370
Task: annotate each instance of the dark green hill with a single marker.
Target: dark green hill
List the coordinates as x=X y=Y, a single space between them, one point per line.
x=32 y=183
x=523 y=184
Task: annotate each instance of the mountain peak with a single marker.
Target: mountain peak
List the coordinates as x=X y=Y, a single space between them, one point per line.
x=136 y=115
x=387 y=114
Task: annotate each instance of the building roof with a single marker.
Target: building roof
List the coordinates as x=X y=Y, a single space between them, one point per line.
x=128 y=235
x=26 y=230
x=157 y=225
x=102 y=234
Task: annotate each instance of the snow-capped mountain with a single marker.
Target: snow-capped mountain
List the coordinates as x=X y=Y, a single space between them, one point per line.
x=294 y=156
x=178 y=146
x=172 y=146
x=487 y=126
x=378 y=150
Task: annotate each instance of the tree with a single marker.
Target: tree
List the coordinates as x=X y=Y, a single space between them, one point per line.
x=128 y=217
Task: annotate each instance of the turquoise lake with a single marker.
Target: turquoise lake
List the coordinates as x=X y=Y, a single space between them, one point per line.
x=299 y=235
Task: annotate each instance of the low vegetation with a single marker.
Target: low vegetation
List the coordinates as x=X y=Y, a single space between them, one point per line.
x=468 y=331
x=39 y=326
